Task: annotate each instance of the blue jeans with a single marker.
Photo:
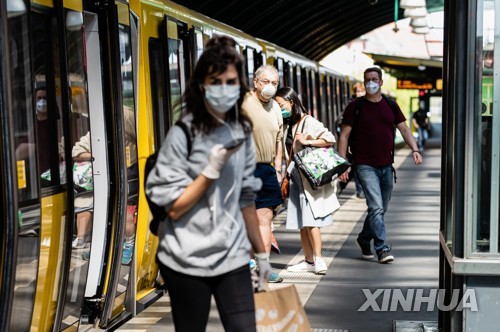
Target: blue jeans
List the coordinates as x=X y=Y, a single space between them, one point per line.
x=422 y=137
x=377 y=184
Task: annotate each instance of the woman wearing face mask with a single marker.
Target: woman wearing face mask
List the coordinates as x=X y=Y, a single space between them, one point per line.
x=308 y=209
x=209 y=198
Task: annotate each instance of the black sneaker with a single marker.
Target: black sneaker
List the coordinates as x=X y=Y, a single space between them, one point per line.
x=366 y=252
x=385 y=257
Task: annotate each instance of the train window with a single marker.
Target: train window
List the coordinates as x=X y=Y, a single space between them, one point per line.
x=49 y=139
x=322 y=100
x=314 y=93
x=288 y=76
x=260 y=59
x=297 y=82
x=24 y=117
x=175 y=72
x=198 y=44
x=335 y=117
x=158 y=83
x=185 y=51
x=250 y=65
x=280 y=64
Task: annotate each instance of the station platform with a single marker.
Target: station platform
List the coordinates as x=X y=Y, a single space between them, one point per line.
x=332 y=301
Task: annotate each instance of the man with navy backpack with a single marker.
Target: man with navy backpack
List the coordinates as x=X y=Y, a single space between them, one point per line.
x=368 y=127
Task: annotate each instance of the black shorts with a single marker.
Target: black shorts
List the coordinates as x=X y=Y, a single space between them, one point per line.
x=270 y=194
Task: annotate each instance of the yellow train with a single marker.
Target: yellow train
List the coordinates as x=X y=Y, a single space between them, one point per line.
x=86 y=95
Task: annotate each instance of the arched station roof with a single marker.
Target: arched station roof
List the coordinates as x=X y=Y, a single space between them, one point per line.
x=313 y=28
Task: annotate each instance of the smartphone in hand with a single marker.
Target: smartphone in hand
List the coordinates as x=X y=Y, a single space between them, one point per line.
x=234 y=143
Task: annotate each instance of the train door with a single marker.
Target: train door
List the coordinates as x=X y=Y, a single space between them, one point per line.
x=116 y=286
x=82 y=161
x=156 y=82
x=42 y=131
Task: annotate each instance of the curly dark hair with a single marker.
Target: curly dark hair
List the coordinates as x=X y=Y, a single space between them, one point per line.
x=219 y=53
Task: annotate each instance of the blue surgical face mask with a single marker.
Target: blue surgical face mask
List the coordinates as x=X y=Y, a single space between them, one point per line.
x=222 y=98
x=285 y=113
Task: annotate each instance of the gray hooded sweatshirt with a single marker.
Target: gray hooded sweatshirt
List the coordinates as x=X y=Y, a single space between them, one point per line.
x=211 y=238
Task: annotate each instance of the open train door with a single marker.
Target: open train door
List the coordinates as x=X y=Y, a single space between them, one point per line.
x=110 y=290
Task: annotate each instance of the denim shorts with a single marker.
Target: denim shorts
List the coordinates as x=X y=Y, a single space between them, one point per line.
x=270 y=194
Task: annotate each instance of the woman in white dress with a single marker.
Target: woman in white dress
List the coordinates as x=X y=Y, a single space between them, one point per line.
x=308 y=209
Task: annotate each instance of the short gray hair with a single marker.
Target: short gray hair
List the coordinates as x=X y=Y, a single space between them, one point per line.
x=266 y=68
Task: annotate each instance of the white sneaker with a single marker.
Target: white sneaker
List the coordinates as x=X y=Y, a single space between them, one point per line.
x=301 y=267
x=78 y=243
x=320 y=266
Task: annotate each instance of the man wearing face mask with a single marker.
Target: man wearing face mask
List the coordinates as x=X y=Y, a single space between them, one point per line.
x=369 y=131
x=265 y=115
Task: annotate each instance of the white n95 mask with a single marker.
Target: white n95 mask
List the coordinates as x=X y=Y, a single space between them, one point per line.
x=222 y=98
x=268 y=91
x=41 y=106
x=372 y=87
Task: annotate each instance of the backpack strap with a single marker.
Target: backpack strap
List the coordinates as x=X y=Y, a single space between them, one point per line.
x=392 y=104
x=185 y=129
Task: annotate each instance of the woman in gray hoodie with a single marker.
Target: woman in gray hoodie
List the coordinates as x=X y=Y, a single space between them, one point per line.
x=208 y=194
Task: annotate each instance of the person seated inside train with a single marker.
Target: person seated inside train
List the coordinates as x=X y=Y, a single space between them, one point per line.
x=84 y=197
x=41 y=143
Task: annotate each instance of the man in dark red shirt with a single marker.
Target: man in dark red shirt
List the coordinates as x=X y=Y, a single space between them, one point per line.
x=372 y=142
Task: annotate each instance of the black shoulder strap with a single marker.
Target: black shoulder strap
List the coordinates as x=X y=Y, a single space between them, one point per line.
x=185 y=129
x=360 y=101
x=392 y=104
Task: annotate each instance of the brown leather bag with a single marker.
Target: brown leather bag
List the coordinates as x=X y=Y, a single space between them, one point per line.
x=285 y=187
x=285 y=183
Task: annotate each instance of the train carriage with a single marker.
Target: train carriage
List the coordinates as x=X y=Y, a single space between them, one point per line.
x=106 y=77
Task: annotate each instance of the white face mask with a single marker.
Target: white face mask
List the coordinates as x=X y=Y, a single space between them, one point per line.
x=222 y=98
x=372 y=87
x=41 y=106
x=268 y=91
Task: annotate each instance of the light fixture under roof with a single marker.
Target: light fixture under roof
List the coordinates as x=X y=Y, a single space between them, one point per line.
x=15 y=8
x=419 y=22
x=74 y=20
x=412 y=3
x=415 y=12
x=422 y=30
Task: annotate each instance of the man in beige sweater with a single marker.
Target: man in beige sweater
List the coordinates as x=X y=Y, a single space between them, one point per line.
x=265 y=114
